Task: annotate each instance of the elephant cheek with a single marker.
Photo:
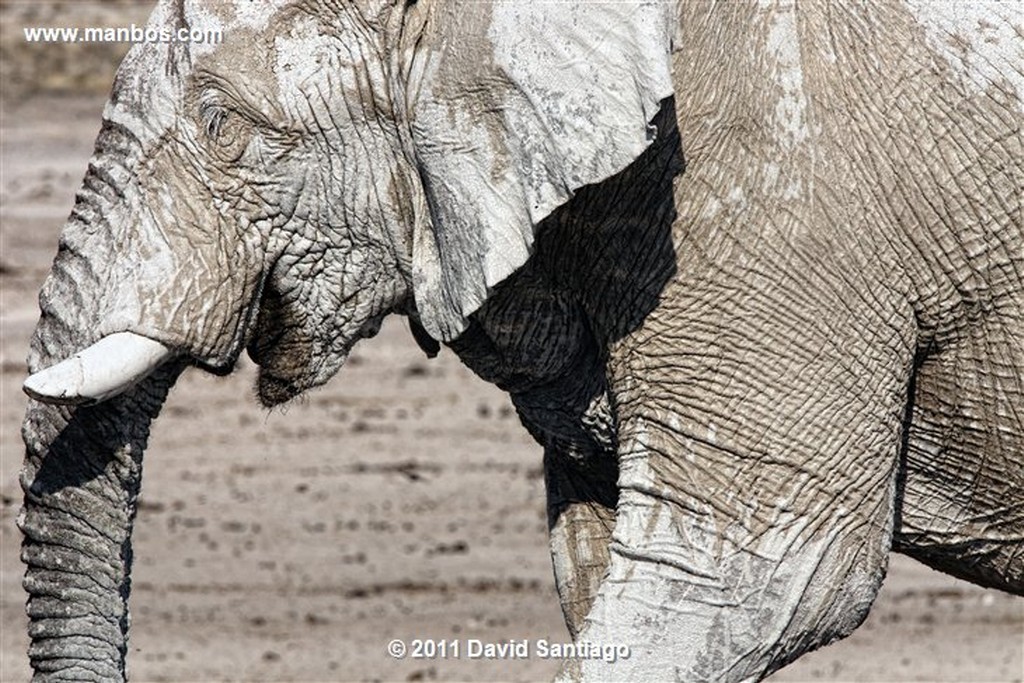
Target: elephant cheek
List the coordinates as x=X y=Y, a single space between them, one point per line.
x=192 y=302
x=205 y=306
x=178 y=274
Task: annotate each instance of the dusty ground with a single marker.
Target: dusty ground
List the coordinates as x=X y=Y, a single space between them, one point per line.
x=402 y=501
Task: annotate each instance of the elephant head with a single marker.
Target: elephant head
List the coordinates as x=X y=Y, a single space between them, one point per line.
x=325 y=164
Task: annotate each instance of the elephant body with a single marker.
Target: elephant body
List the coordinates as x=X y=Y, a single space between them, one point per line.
x=768 y=330
x=866 y=309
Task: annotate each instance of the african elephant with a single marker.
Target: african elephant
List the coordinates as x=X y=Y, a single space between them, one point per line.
x=753 y=274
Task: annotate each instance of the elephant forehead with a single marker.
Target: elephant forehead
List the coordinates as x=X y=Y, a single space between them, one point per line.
x=228 y=15
x=308 y=58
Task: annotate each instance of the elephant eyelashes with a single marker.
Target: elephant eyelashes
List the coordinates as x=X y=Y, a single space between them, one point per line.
x=213 y=120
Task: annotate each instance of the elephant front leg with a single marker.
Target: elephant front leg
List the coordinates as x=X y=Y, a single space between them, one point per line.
x=756 y=499
x=732 y=579
x=581 y=515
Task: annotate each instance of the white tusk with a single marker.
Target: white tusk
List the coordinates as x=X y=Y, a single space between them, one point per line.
x=109 y=367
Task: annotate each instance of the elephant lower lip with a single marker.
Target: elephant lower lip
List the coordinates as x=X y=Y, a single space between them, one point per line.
x=274 y=390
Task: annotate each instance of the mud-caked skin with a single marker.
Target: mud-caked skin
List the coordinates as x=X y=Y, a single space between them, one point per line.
x=753 y=275
x=837 y=367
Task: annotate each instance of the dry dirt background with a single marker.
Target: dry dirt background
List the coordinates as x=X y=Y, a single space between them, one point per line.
x=401 y=501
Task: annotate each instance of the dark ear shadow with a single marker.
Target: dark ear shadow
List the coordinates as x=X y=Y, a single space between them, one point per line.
x=613 y=242
x=599 y=266
x=101 y=441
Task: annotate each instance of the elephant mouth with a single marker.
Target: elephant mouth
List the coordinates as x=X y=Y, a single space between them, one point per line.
x=278 y=346
x=296 y=349
x=292 y=361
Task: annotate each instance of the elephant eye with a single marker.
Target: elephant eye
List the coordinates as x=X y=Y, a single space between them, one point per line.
x=229 y=132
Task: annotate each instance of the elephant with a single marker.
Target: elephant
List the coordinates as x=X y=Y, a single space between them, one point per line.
x=752 y=274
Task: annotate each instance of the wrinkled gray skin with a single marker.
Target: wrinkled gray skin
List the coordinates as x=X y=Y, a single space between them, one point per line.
x=752 y=379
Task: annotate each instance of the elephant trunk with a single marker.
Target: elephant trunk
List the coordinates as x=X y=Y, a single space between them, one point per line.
x=81 y=481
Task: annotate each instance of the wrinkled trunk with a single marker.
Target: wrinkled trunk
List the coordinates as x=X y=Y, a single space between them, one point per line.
x=81 y=481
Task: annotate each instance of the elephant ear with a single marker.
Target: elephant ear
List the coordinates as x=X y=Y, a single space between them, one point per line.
x=514 y=105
